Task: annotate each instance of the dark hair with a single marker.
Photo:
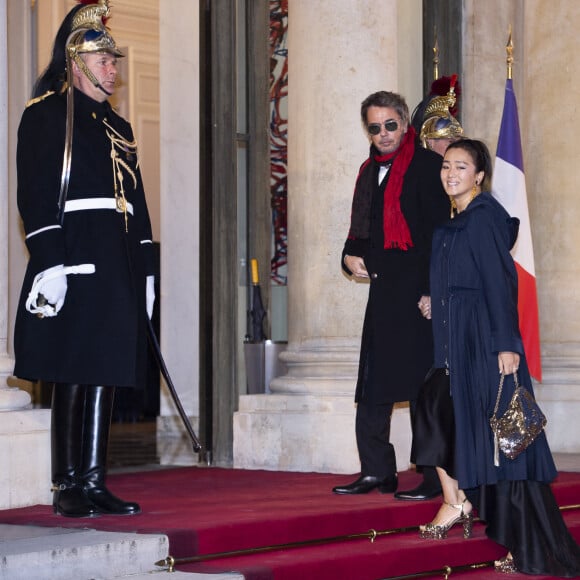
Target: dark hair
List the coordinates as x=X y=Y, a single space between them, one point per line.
x=479 y=153
x=53 y=77
x=385 y=99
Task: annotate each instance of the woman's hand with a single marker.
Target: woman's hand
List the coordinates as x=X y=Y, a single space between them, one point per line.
x=424 y=305
x=356 y=265
x=508 y=362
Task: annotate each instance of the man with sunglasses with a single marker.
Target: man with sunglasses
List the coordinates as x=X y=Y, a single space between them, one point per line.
x=398 y=200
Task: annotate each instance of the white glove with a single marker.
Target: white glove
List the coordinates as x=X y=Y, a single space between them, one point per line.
x=49 y=290
x=150 y=295
x=46 y=296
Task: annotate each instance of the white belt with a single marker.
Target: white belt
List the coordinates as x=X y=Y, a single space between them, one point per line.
x=94 y=203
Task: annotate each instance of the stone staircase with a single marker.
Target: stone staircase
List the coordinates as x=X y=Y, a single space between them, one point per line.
x=41 y=553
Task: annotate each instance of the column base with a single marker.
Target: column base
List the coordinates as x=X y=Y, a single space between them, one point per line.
x=14 y=399
x=559 y=396
x=12 y=396
x=174 y=447
x=25 y=434
x=307 y=433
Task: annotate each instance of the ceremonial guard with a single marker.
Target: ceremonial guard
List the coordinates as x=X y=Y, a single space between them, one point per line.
x=81 y=321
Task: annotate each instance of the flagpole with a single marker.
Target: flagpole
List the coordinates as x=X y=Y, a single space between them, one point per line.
x=510 y=55
x=509 y=187
x=435 y=55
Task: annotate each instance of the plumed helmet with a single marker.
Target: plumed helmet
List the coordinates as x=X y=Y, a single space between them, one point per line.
x=88 y=30
x=434 y=118
x=89 y=34
x=83 y=30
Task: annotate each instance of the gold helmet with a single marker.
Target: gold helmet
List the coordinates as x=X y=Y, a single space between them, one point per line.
x=89 y=34
x=438 y=122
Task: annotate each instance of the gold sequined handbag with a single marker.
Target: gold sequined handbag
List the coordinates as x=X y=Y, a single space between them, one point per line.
x=521 y=423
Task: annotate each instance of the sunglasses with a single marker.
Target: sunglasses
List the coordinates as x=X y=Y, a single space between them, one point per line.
x=375 y=128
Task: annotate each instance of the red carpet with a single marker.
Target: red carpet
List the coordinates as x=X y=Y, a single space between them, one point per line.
x=210 y=510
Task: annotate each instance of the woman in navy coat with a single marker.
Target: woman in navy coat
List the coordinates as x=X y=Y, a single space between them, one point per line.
x=476 y=337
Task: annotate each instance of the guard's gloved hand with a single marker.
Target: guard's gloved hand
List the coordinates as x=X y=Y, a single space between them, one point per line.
x=48 y=292
x=150 y=295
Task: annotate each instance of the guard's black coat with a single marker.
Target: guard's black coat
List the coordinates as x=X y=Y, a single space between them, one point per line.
x=99 y=337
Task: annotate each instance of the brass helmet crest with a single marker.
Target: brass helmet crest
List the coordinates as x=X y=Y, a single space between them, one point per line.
x=438 y=122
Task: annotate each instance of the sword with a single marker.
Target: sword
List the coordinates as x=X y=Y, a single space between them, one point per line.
x=163 y=368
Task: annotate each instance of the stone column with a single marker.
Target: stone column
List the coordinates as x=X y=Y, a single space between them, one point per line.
x=24 y=432
x=547 y=118
x=10 y=397
x=179 y=114
x=339 y=52
x=543 y=37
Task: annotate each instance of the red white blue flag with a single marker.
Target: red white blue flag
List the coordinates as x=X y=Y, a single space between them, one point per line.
x=509 y=187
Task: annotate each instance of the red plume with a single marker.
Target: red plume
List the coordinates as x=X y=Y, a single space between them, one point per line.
x=441 y=87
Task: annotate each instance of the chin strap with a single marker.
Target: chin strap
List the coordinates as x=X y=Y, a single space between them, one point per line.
x=86 y=71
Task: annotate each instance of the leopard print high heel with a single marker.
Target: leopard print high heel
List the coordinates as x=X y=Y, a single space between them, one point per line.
x=433 y=531
x=505 y=565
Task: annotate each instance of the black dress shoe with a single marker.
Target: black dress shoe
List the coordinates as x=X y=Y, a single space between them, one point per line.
x=366 y=483
x=421 y=492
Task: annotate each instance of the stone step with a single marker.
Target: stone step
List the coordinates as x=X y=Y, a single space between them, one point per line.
x=42 y=553
x=177 y=575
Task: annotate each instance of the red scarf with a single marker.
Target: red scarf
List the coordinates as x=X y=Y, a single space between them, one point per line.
x=395 y=228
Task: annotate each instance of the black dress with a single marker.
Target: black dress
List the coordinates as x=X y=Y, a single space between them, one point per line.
x=434 y=424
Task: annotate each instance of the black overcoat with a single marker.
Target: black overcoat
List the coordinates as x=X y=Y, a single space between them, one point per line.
x=397 y=345
x=99 y=337
x=474 y=297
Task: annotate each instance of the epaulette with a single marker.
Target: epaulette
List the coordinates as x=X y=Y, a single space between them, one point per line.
x=38 y=99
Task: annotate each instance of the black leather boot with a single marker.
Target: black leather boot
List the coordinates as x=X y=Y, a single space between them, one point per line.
x=69 y=498
x=98 y=411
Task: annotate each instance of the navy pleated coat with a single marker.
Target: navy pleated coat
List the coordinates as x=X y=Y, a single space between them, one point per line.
x=474 y=313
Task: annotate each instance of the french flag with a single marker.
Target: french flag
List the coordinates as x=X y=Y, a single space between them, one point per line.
x=509 y=187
